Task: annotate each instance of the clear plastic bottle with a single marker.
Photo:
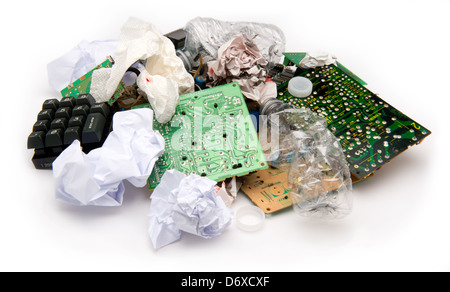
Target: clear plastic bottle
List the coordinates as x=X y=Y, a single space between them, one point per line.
x=319 y=177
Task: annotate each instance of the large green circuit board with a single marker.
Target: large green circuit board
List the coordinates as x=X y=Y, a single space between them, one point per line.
x=371 y=131
x=211 y=134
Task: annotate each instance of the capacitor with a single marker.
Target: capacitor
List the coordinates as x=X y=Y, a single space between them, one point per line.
x=200 y=81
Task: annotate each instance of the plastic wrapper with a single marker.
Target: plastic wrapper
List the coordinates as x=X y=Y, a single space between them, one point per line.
x=204 y=37
x=319 y=176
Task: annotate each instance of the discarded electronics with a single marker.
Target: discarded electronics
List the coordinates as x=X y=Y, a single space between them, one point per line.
x=205 y=112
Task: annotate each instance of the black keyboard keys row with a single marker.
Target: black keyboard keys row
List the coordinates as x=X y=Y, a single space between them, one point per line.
x=59 y=137
x=40 y=139
x=56 y=137
x=71 y=102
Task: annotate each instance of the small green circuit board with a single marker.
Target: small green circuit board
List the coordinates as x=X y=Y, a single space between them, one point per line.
x=370 y=130
x=83 y=84
x=211 y=134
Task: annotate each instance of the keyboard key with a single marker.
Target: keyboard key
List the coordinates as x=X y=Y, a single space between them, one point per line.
x=60 y=123
x=36 y=140
x=42 y=125
x=68 y=102
x=77 y=121
x=51 y=104
x=63 y=112
x=81 y=110
x=93 y=128
x=46 y=114
x=54 y=138
x=102 y=108
x=86 y=99
x=72 y=134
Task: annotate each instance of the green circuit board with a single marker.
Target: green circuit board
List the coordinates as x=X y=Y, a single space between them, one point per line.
x=211 y=134
x=371 y=131
x=83 y=84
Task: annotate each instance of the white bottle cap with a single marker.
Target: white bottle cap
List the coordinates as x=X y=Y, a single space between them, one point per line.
x=300 y=87
x=250 y=218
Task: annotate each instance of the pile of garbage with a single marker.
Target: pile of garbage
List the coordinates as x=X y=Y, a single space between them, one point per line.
x=157 y=69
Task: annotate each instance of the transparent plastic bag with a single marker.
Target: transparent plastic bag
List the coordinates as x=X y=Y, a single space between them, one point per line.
x=204 y=37
x=319 y=177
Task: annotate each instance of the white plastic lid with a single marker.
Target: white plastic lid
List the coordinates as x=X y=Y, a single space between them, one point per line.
x=250 y=218
x=300 y=87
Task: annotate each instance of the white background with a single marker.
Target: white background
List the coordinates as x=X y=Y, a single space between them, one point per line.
x=401 y=216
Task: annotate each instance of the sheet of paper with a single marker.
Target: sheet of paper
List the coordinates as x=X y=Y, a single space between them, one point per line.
x=129 y=153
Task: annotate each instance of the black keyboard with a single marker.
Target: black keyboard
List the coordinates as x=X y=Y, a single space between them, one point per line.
x=60 y=122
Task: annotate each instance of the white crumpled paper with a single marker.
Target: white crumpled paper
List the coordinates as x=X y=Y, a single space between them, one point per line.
x=240 y=60
x=77 y=62
x=129 y=153
x=186 y=203
x=141 y=41
x=315 y=59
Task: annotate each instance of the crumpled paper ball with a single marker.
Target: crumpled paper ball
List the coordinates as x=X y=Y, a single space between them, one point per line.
x=239 y=55
x=240 y=60
x=189 y=204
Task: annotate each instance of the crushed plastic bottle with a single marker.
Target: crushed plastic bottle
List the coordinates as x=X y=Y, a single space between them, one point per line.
x=319 y=176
